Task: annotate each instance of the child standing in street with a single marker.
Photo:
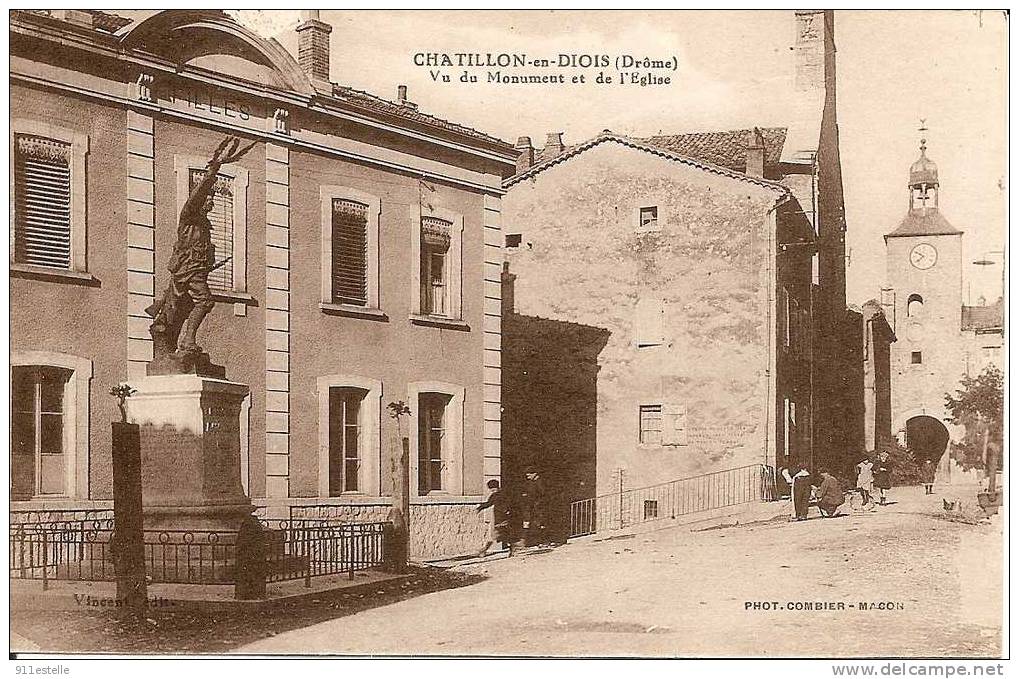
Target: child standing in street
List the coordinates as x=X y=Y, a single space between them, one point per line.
x=865 y=482
x=927 y=477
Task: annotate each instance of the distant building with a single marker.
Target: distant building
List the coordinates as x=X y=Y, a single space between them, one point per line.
x=366 y=254
x=940 y=338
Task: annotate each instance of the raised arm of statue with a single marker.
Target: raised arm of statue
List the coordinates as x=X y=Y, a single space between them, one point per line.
x=226 y=152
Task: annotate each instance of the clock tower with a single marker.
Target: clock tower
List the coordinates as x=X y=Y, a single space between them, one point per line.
x=923 y=302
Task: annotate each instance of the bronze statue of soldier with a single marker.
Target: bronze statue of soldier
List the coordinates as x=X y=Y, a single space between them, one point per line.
x=187 y=299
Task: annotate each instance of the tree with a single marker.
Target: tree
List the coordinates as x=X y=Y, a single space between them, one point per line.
x=978 y=406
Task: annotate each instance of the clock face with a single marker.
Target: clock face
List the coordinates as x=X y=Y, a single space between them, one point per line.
x=923 y=256
x=914 y=333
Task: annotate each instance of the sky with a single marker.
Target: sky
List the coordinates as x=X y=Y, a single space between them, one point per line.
x=734 y=70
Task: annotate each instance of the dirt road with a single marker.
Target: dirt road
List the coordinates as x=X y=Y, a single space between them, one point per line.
x=932 y=585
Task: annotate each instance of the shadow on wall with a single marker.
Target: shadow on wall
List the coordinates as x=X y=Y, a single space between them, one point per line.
x=550 y=410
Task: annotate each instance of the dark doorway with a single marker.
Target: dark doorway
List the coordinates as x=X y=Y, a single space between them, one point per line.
x=927 y=437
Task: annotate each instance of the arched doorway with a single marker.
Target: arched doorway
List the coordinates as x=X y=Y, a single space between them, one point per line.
x=927 y=437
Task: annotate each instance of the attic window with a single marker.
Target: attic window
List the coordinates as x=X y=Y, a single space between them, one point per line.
x=648 y=218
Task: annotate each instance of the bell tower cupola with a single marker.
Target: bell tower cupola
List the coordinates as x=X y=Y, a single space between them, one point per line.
x=923 y=179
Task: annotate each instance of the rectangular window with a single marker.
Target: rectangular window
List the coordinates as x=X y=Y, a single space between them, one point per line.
x=431 y=441
x=651 y=424
x=649 y=218
x=38 y=458
x=650 y=322
x=221 y=219
x=513 y=240
x=435 y=241
x=344 y=439
x=650 y=509
x=350 y=252
x=42 y=223
x=916 y=357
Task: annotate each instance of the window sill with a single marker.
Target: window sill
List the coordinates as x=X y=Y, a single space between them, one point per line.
x=234 y=297
x=440 y=322
x=44 y=273
x=353 y=311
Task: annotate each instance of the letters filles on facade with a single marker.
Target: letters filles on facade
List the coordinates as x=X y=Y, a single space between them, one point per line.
x=688 y=291
x=365 y=245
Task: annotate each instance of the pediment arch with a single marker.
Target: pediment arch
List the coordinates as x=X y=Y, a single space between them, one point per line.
x=212 y=40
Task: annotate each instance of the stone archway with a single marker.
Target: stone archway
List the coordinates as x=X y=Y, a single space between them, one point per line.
x=927 y=437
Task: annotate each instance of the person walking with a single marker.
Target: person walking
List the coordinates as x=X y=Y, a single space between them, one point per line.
x=532 y=498
x=927 y=476
x=865 y=482
x=883 y=476
x=495 y=514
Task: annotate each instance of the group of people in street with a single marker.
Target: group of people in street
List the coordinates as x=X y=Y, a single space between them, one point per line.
x=873 y=472
x=513 y=520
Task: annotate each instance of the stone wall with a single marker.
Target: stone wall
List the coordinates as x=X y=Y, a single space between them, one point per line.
x=437 y=530
x=583 y=260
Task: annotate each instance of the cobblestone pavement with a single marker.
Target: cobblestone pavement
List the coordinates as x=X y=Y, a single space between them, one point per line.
x=934 y=578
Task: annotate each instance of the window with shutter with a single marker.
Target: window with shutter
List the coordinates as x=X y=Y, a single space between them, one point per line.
x=650 y=424
x=349 y=252
x=38 y=424
x=42 y=224
x=344 y=439
x=435 y=242
x=431 y=441
x=221 y=218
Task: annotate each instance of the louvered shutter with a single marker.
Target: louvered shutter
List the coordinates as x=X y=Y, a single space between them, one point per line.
x=350 y=252
x=42 y=189
x=221 y=218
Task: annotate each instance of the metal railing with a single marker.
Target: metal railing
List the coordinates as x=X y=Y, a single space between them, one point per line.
x=62 y=550
x=294 y=549
x=669 y=500
x=306 y=548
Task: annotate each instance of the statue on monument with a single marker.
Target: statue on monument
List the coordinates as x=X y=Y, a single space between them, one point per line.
x=187 y=299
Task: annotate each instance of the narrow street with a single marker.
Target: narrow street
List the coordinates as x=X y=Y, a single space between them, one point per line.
x=674 y=592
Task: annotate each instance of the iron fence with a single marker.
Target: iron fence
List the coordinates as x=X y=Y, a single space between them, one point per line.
x=62 y=550
x=669 y=500
x=294 y=549
x=306 y=548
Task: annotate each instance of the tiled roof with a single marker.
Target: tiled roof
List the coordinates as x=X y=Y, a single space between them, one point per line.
x=726 y=148
x=920 y=222
x=374 y=103
x=989 y=317
x=642 y=145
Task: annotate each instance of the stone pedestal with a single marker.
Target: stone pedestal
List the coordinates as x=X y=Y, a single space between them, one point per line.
x=190 y=452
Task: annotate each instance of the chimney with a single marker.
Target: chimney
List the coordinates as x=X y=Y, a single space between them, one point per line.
x=401 y=97
x=755 y=153
x=811 y=34
x=525 y=154
x=553 y=145
x=73 y=16
x=313 y=45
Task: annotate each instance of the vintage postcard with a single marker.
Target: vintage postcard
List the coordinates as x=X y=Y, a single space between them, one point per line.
x=569 y=334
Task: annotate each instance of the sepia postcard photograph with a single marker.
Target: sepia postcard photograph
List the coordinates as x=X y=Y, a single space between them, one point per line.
x=509 y=334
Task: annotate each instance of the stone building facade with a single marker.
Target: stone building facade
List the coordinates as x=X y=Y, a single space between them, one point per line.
x=366 y=249
x=674 y=297
x=700 y=278
x=940 y=338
